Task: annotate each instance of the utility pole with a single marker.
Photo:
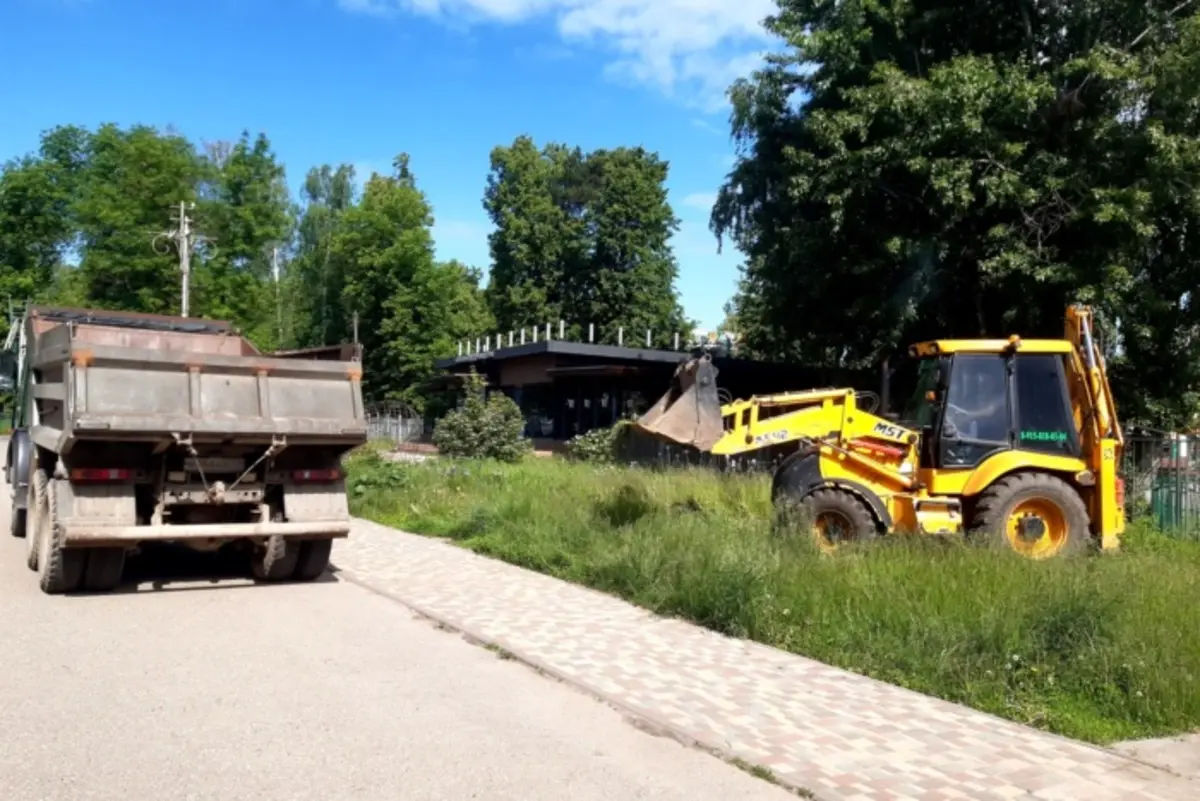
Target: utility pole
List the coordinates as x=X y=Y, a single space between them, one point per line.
x=183 y=240
x=185 y=257
x=278 y=297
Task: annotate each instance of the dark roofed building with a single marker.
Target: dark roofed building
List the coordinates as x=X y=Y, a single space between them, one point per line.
x=568 y=388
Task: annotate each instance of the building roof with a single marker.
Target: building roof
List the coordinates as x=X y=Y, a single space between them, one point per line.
x=566 y=348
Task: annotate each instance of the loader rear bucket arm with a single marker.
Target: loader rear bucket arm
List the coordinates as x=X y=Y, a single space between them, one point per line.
x=689 y=413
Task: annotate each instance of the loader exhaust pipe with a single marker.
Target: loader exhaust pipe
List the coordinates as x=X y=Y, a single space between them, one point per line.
x=689 y=413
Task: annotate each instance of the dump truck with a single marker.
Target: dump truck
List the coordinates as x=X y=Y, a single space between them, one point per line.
x=1012 y=440
x=135 y=428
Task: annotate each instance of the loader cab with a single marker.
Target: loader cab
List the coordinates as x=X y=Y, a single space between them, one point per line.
x=974 y=398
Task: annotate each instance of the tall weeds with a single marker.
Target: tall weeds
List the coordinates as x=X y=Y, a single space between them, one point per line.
x=1100 y=648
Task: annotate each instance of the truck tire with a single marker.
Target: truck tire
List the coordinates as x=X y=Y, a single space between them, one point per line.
x=837 y=516
x=59 y=569
x=1036 y=515
x=314 y=559
x=16 y=523
x=33 y=520
x=277 y=561
x=104 y=569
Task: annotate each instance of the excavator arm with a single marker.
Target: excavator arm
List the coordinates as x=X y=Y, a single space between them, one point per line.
x=1101 y=433
x=690 y=414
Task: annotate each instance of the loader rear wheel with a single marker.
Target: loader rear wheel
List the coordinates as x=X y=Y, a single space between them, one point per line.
x=837 y=517
x=314 y=559
x=1036 y=515
x=60 y=569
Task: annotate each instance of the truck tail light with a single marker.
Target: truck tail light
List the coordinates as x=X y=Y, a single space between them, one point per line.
x=316 y=476
x=100 y=474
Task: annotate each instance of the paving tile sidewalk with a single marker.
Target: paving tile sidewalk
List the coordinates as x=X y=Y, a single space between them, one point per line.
x=839 y=735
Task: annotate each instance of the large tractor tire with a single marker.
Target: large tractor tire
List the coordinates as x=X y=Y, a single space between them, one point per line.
x=314 y=559
x=837 y=516
x=59 y=569
x=1036 y=515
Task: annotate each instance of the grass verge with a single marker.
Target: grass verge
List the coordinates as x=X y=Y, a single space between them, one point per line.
x=1103 y=648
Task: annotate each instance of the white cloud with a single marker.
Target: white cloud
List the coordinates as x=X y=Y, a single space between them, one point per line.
x=691 y=49
x=700 y=200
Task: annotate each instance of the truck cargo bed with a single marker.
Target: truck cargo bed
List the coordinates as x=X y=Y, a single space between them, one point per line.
x=102 y=382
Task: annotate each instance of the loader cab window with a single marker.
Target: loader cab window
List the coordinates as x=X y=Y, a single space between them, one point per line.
x=975 y=411
x=920 y=410
x=1045 y=422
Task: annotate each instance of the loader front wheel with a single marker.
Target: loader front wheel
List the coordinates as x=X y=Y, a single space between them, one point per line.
x=1036 y=515
x=836 y=517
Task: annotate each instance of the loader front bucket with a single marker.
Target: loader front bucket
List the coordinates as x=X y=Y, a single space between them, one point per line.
x=690 y=411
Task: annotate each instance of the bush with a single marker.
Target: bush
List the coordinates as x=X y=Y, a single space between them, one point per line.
x=479 y=429
x=1103 y=648
x=598 y=446
x=368 y=471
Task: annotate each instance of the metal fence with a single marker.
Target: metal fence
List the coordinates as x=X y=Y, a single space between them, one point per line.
x=396 y=422
x=1162 y=481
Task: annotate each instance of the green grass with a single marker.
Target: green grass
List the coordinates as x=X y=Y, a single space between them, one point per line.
x=1101 y=648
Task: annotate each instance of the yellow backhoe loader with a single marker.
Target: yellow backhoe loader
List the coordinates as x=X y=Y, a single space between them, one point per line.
x=1010 y=439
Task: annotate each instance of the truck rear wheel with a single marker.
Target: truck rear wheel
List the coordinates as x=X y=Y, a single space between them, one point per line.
x=16 y=523
x=104 y=569
x=277 y=561
x=1037 y=515
x=33 y=502
x=59 y=569
x=314 y=559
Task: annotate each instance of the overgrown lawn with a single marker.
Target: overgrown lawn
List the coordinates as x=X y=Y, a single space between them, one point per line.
x=1100 y=648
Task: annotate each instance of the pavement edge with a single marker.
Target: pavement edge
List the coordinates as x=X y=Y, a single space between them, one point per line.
x=641 y=719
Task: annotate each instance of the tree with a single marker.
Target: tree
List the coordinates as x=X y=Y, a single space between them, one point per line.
x=940 y=169
x=245 y=209
x=410 y=309
x=439 y=305
x=36 y=224
x=581 y=237
x=535 y=240
x=130 y=182
x=315 y=286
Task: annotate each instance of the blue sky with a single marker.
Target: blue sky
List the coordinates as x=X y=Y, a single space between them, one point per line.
x=358 y=81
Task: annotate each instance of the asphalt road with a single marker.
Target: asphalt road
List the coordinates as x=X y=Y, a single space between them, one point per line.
x=184 y=687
